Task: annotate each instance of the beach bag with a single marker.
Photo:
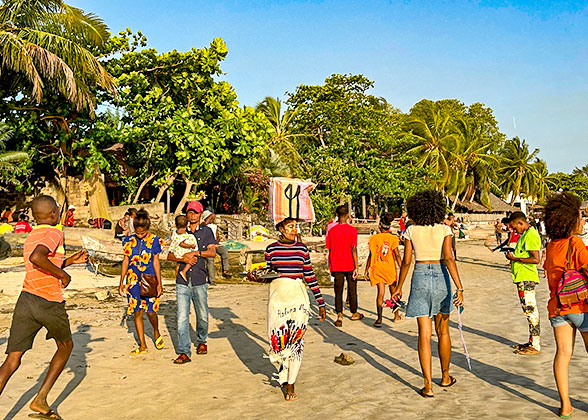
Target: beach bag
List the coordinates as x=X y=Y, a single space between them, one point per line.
x=572 y=288
x=290 y=198
x=149 y=285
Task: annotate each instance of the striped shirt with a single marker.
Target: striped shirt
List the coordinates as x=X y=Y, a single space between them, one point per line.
x=37 y=281
x=293 y=261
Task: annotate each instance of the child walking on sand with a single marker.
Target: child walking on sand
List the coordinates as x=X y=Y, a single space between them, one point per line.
x=182 y=243
x=141 y=263
x=381 y=265
x=41 y=303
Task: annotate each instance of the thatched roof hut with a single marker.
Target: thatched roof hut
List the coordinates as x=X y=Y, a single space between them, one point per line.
x=497 y=205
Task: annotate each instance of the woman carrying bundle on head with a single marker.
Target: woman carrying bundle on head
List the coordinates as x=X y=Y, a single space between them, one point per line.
x=565 y=254
x=288 y=304
x=430 y=289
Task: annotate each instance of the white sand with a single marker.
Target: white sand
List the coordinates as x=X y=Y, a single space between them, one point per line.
x=232 y=382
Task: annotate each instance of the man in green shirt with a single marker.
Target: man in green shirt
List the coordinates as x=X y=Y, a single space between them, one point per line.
x=524 y=262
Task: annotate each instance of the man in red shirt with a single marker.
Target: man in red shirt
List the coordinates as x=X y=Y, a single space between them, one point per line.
x=342 y=246
x=23 y=225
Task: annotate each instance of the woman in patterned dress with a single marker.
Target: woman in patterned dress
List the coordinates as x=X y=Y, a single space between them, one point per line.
x=141 y=256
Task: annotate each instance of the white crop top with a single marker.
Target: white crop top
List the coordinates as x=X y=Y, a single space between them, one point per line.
x=427 y=241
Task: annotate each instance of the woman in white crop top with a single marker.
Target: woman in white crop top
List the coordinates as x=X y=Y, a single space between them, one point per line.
x=430 y=289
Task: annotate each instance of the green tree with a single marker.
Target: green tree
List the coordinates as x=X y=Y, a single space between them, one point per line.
x=281 y=134
x=47 y=45
x=180 y=120
x=517 y=170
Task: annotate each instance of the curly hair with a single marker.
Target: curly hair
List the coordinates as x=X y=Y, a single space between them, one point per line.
x=561 y=215
x=426 y=208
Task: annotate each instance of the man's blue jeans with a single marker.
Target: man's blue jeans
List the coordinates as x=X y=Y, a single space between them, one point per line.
x=199 y=297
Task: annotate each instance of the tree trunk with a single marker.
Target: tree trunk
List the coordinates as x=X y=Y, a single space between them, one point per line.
x=455 y=201
x=189 y=185
x=97 y=196
x=168 y=199
x=170 y=179
x=143 y=184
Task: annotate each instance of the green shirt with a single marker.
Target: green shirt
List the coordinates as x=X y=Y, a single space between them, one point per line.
x=529 y=241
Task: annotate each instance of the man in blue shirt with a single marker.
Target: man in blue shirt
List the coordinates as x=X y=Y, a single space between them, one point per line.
x=195 y=288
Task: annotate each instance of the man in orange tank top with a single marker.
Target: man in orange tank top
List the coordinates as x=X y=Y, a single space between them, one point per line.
x=41 y=302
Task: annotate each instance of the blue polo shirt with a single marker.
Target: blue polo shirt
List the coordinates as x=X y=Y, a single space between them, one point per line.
x=197 y=274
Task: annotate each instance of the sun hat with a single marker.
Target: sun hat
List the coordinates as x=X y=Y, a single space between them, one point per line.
x=206 y=214
x=195 y=206
x=71 y=207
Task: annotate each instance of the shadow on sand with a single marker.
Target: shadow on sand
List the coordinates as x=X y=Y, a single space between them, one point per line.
x=245 y=343
x=77 y=364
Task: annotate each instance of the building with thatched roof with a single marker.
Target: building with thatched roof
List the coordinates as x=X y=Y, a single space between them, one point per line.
x=497 y=205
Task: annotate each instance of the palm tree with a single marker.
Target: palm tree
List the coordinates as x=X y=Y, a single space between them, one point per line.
x=436 y=135
x=471 y=162
x=47 y=43
x=8 y=159
x=282 y=138
x=517 y=170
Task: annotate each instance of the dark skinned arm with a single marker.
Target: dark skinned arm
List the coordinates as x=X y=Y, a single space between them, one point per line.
x=157 y=269
x=404 y=267
x=40 y=259
x=190 y=258
x=449 y=261
x=506 y=242
x=354 y=253
x=533 y=259
x=367 y=266
x=183 y=244
x=397 y=257
x=123 y=274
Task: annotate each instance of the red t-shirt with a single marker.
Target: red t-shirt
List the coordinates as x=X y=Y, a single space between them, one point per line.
x=340 y=239
x=22 y=227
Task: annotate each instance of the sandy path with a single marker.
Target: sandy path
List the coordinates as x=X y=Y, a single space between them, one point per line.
x=232 y=381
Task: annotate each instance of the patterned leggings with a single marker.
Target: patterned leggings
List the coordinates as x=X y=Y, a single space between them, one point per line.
x=526 y=291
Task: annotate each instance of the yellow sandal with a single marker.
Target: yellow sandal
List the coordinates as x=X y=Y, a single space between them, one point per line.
x=159 y=343
x=138 y=351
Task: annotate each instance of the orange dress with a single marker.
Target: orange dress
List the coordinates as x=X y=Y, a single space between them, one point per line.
x=382 y=264
x=555 y=260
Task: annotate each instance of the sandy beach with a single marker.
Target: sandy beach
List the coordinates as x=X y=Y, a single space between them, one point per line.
x=234 y=380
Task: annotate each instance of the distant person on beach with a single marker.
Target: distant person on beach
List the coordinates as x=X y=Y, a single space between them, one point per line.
x=381 y=264
x=288 y=303
x=69 y=216
x=182 y=243
x=41 y=302
x=7 y=214
x=452 y=223
x=141 y=258
x=564 y=252
x=121 y=230
x=430 y=289
x=343 y=264
x=208 y=218
x=498 y=231
x=23 y=225
x=5 y=226
x=524 y=262
x=133 y=212
x=100 y=223
x=194 y=289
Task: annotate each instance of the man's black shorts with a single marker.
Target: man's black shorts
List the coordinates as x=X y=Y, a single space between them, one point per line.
x=32 y=313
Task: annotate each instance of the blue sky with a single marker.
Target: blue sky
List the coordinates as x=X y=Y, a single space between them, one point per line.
x=524 y=59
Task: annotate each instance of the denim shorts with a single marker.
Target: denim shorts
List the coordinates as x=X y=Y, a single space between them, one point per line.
x=580 y=321
x=430 y=291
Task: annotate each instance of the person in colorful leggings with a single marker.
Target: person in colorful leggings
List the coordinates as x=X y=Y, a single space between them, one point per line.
x=524 y=262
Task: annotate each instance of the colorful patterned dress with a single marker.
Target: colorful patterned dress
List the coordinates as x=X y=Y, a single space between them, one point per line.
x=140 y=253
x=289 y=306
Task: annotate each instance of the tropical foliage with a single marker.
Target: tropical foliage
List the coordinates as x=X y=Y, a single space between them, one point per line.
x=77 y=101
